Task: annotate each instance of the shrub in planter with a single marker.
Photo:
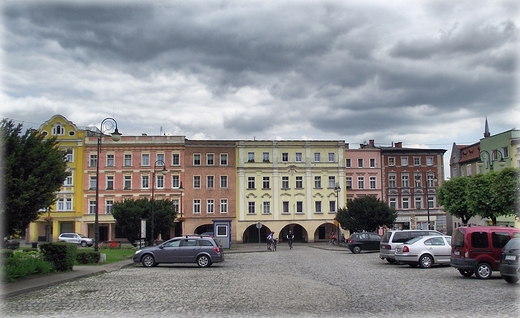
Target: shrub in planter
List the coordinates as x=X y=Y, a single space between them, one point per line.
x=62 y=255
x=25 y=264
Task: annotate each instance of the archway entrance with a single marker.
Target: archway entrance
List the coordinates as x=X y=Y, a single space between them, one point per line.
x=300 y=234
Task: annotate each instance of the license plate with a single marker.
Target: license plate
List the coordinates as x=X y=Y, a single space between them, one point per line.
x=398 y=250
x=510 y=258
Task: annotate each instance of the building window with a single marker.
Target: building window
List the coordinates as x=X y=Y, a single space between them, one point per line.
x=265 y=157
x=93 y=160
x=266 y=207
x=92 y=182
x=266 y=184
x=250 y=157
x=285 y=182
x=69 y=155
x=418 y=180
x=160 y=181
x=505 y=152
x=430 y=178
x=391 y=161
x=145 y=160
x=58 y=129
x=299 y=207
x=110 y=160
x=429 y=161
x=332 y=182
x=348 y=163
x=331 y=157
x=299 y=182
x=372 y=162
x=393 y=203
x=210 y=159
x=196 y=206
x=285 y=157
x=196 y=159
x=175 y=182
x=251 y=182
x=360 y=163
x=108 y=206
x=127 y=182
x=404 y=161
x=223 y=159
x=210 y=206
x=92 y=207
x=298 y=157
x=406 y=203
x=348 y=183
x=332 y=206
x=223 y=182
x=223 y=206
x=68 y=181
x=175 y=204
x=405 y=181
x=176 y=159
x=431 y=202
x=317 y=157
x=128 y=160
x=110 y=182
x=373 y=183
x=210 y=182
x=418 y=202
x=145 y=182
x=196 y=182
x=392 y=181
x=468 y=170
x=317 y=207
x=251 y=208
x=416 y=161
x=285 y=207
x=317 y=182
x=361 y=182
x=159 y=159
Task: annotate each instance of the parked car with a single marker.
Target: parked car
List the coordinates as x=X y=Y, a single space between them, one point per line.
x=203 y=250
x=76 y=238
x=478 y=249
x=363 y=242
x=391 y=238
x=509 y=266
x=424 y=251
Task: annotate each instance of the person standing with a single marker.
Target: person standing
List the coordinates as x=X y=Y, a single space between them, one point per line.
x=290 y=238
x=269 y=240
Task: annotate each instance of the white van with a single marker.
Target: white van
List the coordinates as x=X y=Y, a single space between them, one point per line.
x=392 y=238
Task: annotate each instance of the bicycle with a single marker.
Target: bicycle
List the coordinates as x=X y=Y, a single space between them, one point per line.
x=332 y=241
x=273 y=245
x=290 y=244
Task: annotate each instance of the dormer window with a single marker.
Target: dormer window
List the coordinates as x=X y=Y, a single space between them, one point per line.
x=58 y=129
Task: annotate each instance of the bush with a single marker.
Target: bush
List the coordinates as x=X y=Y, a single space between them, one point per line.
x=87 y=257
x=25 y=264
x=62 y=255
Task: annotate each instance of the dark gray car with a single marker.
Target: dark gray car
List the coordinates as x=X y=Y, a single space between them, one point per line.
x=203 y=250
x=363 y=242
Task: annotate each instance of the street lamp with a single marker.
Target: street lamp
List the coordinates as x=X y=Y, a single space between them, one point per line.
x=158 y=163
x=181 y=190
x=418 y=179
x=107 y=124
x=490 y=160
x=337 y=189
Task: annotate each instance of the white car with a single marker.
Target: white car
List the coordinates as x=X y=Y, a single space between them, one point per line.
x=76 y=238
x=424 y=251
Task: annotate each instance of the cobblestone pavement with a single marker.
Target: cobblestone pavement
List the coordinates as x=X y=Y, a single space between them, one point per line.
x=304 y=282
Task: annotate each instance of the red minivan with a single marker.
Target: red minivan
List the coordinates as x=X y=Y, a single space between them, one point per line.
x=477 y=249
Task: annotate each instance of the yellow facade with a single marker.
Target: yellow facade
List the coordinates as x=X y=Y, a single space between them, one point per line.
x=66 y=214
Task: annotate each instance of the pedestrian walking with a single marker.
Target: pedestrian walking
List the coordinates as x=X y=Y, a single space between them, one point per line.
x=290 y=238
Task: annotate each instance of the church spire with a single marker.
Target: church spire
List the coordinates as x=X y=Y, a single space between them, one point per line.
x=486 y=130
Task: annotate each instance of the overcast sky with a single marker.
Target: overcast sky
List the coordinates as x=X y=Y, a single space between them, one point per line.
x=426 y=73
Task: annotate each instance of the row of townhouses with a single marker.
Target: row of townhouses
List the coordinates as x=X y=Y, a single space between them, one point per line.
x=238 y=189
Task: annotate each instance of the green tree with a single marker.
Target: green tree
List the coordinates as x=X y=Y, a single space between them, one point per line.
x=35 y=169
x=366 y=214
x=128 y=215
x=452 y=195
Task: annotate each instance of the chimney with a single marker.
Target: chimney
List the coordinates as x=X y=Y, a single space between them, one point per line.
x=399 y=144
x=371 y=142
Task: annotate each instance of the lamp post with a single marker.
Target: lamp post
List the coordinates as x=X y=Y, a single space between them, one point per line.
x=337 y=189
x=490 y=160
x=181 y=190
x=418 y=178
x=158 y=163
x=107 y=124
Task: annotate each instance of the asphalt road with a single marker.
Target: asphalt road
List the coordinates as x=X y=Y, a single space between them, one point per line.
x=303 y=282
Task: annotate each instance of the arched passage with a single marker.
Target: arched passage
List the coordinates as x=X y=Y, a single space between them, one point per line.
x=300 y=234
x=204 y=228
x=251 y=234
x=324 y=231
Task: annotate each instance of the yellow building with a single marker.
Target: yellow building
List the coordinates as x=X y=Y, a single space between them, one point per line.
x=66 y=214
x=289 y=185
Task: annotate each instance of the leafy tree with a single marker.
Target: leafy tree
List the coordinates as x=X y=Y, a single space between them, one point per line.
x=128 y=215
x=452 y=194
x=366 y=214
x=35 y=169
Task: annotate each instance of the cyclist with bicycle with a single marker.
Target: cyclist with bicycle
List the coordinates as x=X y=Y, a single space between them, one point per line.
x=290 y=238
x=270 y=239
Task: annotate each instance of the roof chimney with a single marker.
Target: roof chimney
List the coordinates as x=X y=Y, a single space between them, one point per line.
x=399 y=144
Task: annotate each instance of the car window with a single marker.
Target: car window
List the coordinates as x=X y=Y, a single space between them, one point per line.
x=415 y=239
x=400 y=237
x=479 y=240
x=375 y=237
x=174 y=243
x=189 y=242
x=81 y=235
x=435 y=241
x=386 y=237
x=513 y=244
x=500 y=239
x=205 y=243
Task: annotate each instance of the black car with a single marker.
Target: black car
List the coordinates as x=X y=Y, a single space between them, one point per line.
x=509 y=266
x=363 y=242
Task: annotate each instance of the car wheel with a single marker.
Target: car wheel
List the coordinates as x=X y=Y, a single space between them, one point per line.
x=511 y=279
x=483 y=271
x=148 y=260
x=83 y=244
x=426 y=261
x=356 y=250
x=391 y=261
x=203 y=261
x=465 y=272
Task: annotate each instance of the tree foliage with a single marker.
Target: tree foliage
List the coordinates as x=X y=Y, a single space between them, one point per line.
x=128 y=215
x=35 y=169
x=452 y=195
x=366 y=214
